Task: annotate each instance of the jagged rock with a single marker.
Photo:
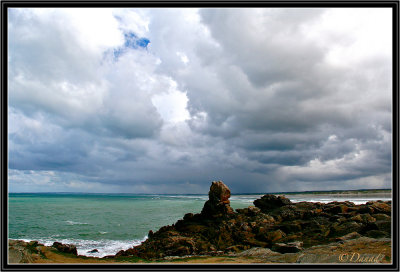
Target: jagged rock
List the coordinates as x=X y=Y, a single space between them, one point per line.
x=345 y=228
x=274 y=236
x=268 y=203
x=218 y=202
x=66 y=248
x=337 y=208
x=93 y=251
x=380 y=207
x=363 y=218
x=250 y=211
x=128 y=252
x=274 y=222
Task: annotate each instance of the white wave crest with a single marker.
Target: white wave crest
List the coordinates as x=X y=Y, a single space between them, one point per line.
x=70 y=222
x=104 y=247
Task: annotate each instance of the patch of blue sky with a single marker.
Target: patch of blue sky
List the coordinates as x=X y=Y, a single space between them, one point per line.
x=131 y=41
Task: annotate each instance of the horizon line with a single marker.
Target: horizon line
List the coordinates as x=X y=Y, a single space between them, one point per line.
x=252 y=193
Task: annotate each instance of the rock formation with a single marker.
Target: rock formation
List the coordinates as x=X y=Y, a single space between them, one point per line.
x=66 y=248
x=275 y=223
x=269 y=203
x=218 y=203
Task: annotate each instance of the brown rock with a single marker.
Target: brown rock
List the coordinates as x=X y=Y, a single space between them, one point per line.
x=218 y=203
x=128 y=252
x=275 y=235
x=340 y=208
x=380 y=207
x=363 y=218
x=344 y=228
x=66 y=248
x=219 y=192
x=18 y=252
x=268 y=203
x=352 y=235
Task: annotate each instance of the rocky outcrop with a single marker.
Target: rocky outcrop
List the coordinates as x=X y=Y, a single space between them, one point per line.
x=359 y=250
x=275 y=226
x=66 y=248
x=269 y=203
x=22 y=252
x=274 y=223
x=218 y=203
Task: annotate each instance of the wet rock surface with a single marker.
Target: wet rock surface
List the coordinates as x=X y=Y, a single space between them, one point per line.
x=66 y=248
x=274 y=223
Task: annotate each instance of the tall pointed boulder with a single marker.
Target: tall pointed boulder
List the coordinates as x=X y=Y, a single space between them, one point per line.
x=218 y=203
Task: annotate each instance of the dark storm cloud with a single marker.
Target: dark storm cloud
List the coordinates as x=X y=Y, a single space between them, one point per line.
x=277 y=99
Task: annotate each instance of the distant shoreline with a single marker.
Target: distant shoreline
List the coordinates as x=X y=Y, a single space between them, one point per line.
x=330 y=192
x=347 y=193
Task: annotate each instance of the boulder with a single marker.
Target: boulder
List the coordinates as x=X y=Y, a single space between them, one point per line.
x=250 y=211
x=337 y=230
x=275 y=235
x=128 y=252
x=218 y=202
x=335 y=209
x=93 y=251
x=66 y=248
x=380 y=207
x=268 y=203
x=363 y=218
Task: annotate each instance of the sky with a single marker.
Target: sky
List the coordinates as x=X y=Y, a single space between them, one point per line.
x=169 y=100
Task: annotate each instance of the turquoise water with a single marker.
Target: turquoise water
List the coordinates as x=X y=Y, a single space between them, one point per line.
x=108 y=222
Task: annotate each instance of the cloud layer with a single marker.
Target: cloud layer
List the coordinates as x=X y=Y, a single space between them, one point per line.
x=167 y=100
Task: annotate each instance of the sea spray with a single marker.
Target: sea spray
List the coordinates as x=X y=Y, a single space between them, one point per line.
x=104 y=247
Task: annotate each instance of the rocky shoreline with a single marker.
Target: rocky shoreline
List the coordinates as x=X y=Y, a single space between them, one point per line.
x=273 y=230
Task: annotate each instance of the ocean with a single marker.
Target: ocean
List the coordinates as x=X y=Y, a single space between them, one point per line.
x=111 y=222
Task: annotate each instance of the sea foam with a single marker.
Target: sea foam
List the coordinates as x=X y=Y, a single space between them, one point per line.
x=70 y=222
x=104 y=247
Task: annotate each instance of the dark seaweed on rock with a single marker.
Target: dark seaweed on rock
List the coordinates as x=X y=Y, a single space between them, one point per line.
x=275 y=222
